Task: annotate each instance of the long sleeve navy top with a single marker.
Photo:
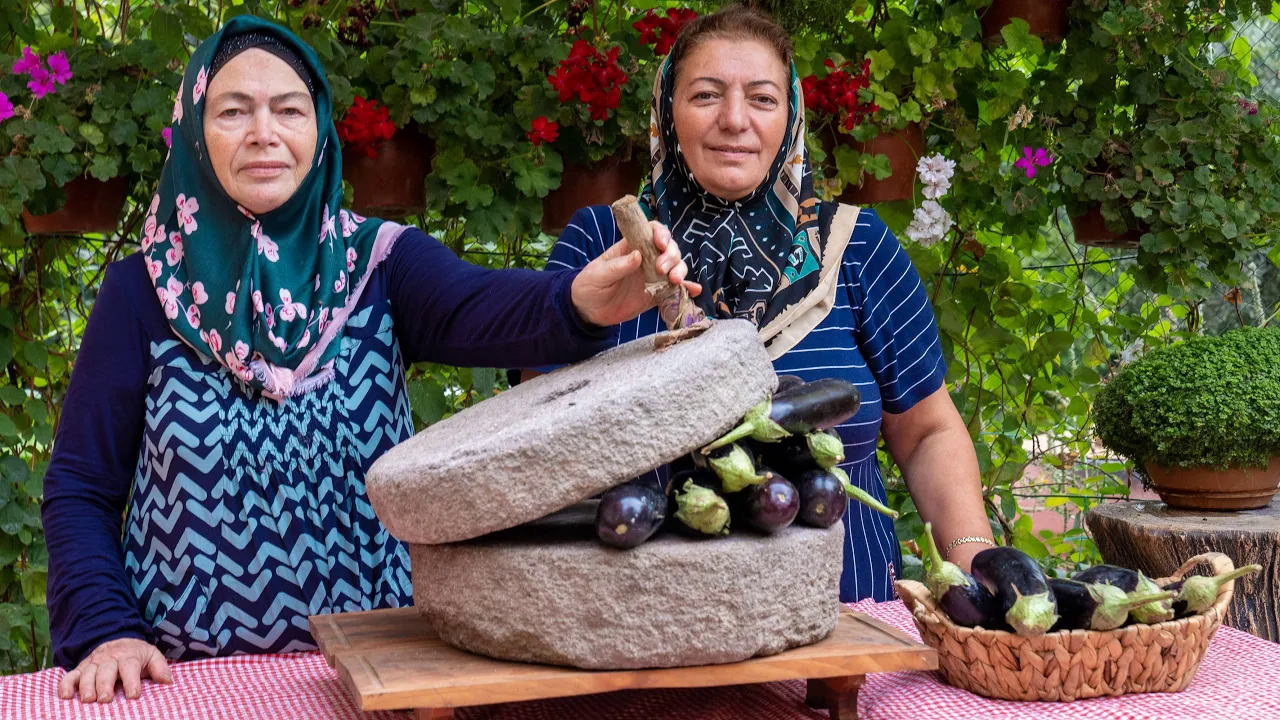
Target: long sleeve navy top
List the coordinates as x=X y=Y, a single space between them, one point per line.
x=180 y=509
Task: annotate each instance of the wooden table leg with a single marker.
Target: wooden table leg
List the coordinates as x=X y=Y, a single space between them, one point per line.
x=838 y=695
x=433 y=714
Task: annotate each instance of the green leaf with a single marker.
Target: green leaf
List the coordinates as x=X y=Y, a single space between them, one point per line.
x=92 y=133
x=483 y=381
x=11 y=395
x=104 y=167
x=537 y=179
x=1018 y=38
x=7 y=428
x=881 y=63
x=1052 y=344
x=427 y=399
x=34 y=584
x=166 y=31
x=36 y=354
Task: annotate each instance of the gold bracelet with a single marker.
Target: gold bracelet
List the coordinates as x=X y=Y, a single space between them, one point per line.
x=964 y=541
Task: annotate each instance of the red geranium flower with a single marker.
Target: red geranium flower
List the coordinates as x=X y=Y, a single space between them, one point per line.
x=591 y=76
x=661 y=31
x=837 y=93
x=543 y=130
x=366 y=125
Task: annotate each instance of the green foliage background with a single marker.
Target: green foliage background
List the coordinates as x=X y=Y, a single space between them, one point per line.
x=1033 y=324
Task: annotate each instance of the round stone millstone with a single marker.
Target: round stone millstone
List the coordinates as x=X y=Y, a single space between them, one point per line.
x=569 y=435
x=671 y=602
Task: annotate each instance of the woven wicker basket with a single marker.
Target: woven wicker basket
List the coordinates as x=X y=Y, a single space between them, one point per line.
x=1074 y=664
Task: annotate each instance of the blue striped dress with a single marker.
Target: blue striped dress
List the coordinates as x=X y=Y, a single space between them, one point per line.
x=881 y=335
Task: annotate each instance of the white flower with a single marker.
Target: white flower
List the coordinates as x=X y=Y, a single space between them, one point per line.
x=935 y=169
x=348 y=222
x=266 y=246
x=930 y=223
x=933 y=191
x=177 y=118
x=328 y=228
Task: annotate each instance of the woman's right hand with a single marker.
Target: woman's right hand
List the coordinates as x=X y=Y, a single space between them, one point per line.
x=127 y=659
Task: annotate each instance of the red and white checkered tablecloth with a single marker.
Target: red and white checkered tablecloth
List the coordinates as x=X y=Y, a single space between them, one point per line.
x=1238 y=680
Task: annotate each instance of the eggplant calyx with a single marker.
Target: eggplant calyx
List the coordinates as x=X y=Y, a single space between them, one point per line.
x=702 y=509
x=1152 y=612
x=826 y=450
x=1032 y=615
x=1114 y=605
x=942 y=575
x=756 y=425
x=1199 y=591
x=736 y=470
x=861 y=495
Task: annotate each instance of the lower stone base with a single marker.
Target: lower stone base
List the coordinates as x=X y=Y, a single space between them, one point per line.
x=561 y=598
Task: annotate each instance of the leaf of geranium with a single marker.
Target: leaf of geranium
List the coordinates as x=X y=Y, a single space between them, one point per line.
x=1071 y=177
x=92 y=133
x=536 y=179
x=1018 y=38
x=881 y=63
x=484 y=76
x=104 y=167
x=878 y=165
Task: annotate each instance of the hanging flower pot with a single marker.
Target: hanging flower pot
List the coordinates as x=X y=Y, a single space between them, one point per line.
x=1047 y=18
x=903 y=148
x=1091 y=230
x=392 y=183
x=1214 y=489
x=597 y=184
x=93 y=206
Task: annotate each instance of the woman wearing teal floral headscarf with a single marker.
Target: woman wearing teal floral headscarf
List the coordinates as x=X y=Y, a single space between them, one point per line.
x=240 y=374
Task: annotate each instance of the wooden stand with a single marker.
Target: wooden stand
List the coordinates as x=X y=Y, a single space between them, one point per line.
x=392 y=660
x=1148 y=536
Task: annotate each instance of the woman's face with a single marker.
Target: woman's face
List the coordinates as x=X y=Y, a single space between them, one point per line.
x=730 y=109
x=260 y=127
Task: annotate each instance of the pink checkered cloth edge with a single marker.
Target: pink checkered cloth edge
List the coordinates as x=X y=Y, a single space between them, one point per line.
x=1239 y=680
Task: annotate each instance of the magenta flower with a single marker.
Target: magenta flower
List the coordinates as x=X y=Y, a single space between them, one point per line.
x=6 y=107
x=1030 y=161
x=167 y=134
x=29 y=61
x=59 y=68
x=41 y=83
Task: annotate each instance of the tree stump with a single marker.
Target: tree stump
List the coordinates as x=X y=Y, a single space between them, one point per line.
x=1150 y=537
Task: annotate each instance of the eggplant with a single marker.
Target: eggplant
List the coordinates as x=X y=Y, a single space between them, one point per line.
x=787 y=382
x=701 y=509
x=1198 y=592
x=630 y=514
x=772 y=505
x=1020 y=588
x=818 y=405
x=822 y=498
x=965 y=601
x=1096 y=606
x=1130 y=581
x=861 y=495
x=735 y=468
x=821 y=449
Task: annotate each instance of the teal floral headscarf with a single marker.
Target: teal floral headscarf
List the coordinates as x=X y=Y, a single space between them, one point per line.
x=266 y=296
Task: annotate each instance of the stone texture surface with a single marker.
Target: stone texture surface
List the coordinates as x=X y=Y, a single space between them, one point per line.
x=568 y=435
x=563 y=598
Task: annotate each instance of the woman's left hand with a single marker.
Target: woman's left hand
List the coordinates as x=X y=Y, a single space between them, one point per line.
x=610 y=289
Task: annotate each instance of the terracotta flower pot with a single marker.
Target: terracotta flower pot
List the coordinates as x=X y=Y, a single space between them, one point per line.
x=903 y=148
x=1047 y=18
x=1091 y=230
x=598 y=184
x=93 y=206
x=391 y=185
x=1209 y=489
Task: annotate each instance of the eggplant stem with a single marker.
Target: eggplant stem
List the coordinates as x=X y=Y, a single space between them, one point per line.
x=1220 y=580
x=935 y=556
x=863 y=496
x=1137 y=601
x=734 y=435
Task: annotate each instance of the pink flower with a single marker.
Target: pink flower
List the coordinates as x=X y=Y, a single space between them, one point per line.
x=242 y=350
x=1030 y=161
x=348 y=222
x=324 y=319
x=215 y=341
x=193 y=316
x=198 y=293
x=174 y=287
x=187 y=208
x=271 y=316
x=202 y=81
x=167 y=134
x=177 y=106
x=154 y=268
x=340 y=283
x=170 y=307
x=245 y=212
x=327 y=227
x=286 y=305
x=28 y=62
x=59 y=68
x=6 y=107
x=231 y=303
x=351 y=259
x=155 y=204
x=265 y=245
x=174 y=254
x=41 y=83
x=257 y=301
x=306 y=338
x=277 y=341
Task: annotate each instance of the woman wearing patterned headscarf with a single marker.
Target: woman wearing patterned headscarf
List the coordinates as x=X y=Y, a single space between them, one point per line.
x=830 y=288
x=238 y=377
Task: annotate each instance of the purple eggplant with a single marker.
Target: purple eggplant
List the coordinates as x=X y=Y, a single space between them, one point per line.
x=787 y=382
x=822 y=498
x=1096 y=606
x=630 y=514
x=1130 y=581
x=818 y=405
x=964 y=600
x=772 y=505
x=819 y=449
x=1198 y=592
x=1123 y=578
x=1019 y=586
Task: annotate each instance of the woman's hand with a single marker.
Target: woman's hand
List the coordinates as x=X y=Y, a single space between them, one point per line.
x=127 y=659
x=610 y=289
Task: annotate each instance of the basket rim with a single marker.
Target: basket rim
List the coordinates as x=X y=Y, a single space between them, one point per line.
x=920 y=602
